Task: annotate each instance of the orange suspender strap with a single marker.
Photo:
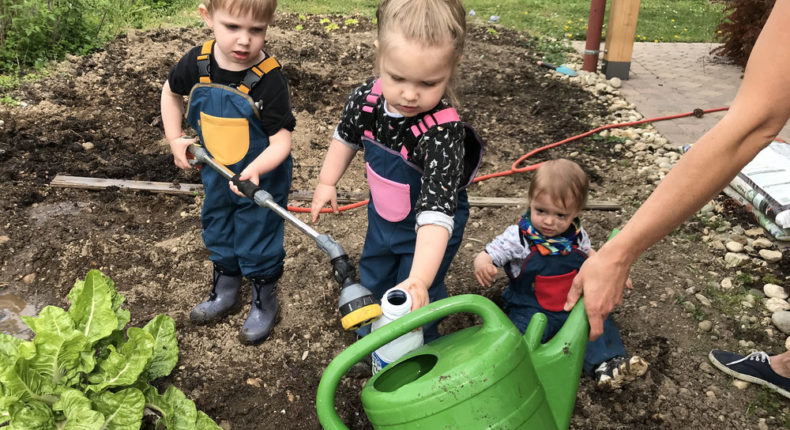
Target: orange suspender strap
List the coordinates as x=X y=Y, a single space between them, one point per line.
x=256 y=72
x=204 y=63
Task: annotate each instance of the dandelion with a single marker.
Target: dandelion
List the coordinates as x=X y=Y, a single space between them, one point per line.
x=581 y=19
x=655 y=40
x=570 y=22
x=676 y=37
x=526 y=13
x=718 y=31
x=673 y=19
x=685 y=29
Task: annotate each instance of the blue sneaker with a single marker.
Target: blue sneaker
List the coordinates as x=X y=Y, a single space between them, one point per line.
x=755 y=367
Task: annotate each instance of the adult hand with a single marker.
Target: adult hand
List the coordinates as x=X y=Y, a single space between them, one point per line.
x=178 y=147
x=601 y=279
x=323 y=193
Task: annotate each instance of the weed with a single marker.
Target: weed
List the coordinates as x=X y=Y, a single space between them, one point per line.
x=299 y=27
x=769 y=278
x=745 y=279
x=351 y=21
x=324 y=21
x=9 y=101
x=764 y=399
x=491 y=31
x=331 y=27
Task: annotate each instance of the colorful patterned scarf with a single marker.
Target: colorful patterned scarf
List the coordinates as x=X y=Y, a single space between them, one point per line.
x=557 y=245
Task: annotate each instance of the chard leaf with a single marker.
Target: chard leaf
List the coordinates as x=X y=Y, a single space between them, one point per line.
x=9 y=348
x=78 y=411
x=156 y=402
x=21 y=383
x=117 y=299
x=33 y=415
x=184 y=410
x=51 y=319
x=122 y=410
x=124 y=366
x=61 y=358
x=165 y=357
x=204 y=422
x=91 y=309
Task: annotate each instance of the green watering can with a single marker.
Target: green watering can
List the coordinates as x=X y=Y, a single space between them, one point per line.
x=487 y=376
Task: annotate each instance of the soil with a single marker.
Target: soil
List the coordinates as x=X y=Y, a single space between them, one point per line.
x=98 y=116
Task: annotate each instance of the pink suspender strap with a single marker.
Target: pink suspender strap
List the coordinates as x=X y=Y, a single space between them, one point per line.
x=437 y=118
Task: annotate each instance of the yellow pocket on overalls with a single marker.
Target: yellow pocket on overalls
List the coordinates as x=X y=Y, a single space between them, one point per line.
x=227 y=139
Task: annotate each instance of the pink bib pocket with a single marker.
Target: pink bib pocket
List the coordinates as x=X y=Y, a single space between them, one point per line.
x=552 y=291
x=391 y=199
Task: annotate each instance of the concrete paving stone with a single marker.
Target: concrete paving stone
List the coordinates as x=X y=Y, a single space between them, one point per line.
x=674 y=78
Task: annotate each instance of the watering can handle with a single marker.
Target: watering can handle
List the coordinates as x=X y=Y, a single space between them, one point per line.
x=492 y=317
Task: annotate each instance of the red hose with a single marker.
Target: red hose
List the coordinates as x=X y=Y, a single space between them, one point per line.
x=514 y=167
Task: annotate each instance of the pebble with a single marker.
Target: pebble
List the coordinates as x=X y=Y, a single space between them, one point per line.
x=705 y=326
x=781 y=320
x=29 y=278
x=704 y=301
x=726 y=284
x=734 y=246
x=733 y=259
x=762 y=425
x=762 y=243
x=741 y=385
x=4 y=239
x=775 y=304
x=770 y=256
x=87 y=146
x=754 y=232
x=774 y=291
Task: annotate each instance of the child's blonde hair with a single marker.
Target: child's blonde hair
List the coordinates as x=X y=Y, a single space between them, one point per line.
x=428 y=22
x=262 y=10
x=564 y=181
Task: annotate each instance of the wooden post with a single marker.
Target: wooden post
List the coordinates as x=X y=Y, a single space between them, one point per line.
x=620 y=34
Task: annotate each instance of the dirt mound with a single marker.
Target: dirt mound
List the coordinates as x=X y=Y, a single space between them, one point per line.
x=98 y=116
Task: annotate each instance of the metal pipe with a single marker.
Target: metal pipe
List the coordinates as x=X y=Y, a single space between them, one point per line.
x=594 y=30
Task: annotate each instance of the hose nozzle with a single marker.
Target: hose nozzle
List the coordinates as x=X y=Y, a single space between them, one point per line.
x=357 y=307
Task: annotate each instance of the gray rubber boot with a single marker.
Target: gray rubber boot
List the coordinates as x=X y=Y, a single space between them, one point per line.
x=264 y=312
x=223 y=299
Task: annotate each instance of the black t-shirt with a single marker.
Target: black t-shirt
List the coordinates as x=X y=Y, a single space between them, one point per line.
x=271 y=95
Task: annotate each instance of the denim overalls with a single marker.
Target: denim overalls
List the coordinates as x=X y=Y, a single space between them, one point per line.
x=394 y=189
x=239 y=234
x=542 y=286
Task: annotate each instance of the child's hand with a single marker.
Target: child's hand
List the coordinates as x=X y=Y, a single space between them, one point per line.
x=418 y=291
x=178 y=147
x=484 y=269
x=248 y=174
x=323 y=193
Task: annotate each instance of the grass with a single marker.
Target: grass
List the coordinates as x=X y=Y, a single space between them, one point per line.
x=659 y=20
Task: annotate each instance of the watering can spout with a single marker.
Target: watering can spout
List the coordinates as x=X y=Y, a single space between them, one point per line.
x=558 y=362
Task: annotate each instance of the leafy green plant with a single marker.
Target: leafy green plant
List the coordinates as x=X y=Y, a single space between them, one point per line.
x=81 y=372
x=331 y=27
x=351 y=21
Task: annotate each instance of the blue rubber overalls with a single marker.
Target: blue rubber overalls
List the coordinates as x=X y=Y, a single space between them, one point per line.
x=394 y=189
x=542 y=287
x=239 y=234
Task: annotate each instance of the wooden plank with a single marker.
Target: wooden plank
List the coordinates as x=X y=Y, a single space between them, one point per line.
x=63 y=181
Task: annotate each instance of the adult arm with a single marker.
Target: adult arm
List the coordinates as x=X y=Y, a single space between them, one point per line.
x=759 y=111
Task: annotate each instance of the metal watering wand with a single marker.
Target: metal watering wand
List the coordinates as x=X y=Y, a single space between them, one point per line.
x=356 y=303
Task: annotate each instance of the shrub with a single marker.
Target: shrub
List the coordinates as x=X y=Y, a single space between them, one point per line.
x=742 y=24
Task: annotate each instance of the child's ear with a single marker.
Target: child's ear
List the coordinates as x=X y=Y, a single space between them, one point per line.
x=206 y=15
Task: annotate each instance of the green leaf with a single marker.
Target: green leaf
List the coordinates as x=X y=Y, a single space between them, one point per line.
x=24 y=384
x=9 y=348
x=204 y=422
x=61 y=358
x=124 y=366
x=33 y=415
x=165 y=357
x=122 y=410
x=155 y=401
x=51 y=319
x=78 y=411
x=184 y=410
x=91 y=309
